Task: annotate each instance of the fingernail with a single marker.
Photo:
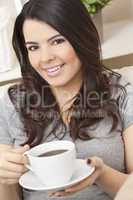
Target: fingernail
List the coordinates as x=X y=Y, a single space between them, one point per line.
x=88 y=161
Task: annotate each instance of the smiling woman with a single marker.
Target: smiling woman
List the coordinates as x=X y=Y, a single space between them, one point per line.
x=66 y=93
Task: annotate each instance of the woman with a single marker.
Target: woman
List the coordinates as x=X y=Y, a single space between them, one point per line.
x=65 y=93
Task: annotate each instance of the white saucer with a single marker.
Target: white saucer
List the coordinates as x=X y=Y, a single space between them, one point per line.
x=31 y=182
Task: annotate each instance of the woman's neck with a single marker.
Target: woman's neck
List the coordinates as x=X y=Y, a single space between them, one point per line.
x=66 y=93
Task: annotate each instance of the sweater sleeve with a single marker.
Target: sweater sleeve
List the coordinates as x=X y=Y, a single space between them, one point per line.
x=126 y=107
x=5 y=137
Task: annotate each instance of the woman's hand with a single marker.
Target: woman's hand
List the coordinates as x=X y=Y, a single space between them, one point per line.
x=12 y=164
x=99 y=169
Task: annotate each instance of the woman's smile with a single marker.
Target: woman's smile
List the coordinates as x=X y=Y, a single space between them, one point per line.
x=53 y=71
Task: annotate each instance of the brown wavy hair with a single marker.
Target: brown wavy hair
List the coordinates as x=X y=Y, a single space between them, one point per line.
x=93 y=101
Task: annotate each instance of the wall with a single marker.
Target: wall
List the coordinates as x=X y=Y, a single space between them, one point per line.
x=115 y=11
x=118 y=10
x=11 y=5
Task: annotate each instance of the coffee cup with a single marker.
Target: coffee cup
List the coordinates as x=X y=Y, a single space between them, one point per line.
x=53 y=162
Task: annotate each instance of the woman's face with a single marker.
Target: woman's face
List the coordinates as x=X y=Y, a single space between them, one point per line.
x=50 y=54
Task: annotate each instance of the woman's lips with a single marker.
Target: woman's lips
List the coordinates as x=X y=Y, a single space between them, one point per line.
x=53 y=71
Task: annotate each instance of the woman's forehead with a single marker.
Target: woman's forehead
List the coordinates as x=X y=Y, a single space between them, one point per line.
x=36 y=30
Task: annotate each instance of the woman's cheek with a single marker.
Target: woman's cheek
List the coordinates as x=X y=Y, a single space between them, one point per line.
x=69 y=54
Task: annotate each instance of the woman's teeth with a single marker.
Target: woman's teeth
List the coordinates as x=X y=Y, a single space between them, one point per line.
x=54 y=70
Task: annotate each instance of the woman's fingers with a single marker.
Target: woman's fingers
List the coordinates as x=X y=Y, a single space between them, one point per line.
x=8 y=181
x=21 y=149
x=9 y=174
x=95 y=161
x=75 y=188
x=15 y=155
x=12 y=163
x=80 y=186
x=13 y=167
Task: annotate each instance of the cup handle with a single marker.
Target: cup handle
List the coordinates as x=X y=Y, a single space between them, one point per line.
x=28 y=165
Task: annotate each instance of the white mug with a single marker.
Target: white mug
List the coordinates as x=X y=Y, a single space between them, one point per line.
x=53 y=170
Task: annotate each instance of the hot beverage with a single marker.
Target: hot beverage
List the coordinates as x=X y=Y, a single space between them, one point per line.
x=53 y=152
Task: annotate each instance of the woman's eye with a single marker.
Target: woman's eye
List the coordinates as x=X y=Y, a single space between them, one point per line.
x=32 y=48
x=58 y=41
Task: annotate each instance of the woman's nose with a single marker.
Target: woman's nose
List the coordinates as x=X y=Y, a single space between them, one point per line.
x=46 y=55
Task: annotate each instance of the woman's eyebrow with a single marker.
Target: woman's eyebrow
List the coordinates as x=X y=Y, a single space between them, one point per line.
x=35 y=43
x=30 y=42
x=53 y=37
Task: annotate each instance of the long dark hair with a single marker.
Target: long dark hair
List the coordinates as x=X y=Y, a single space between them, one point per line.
x=71 y=19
